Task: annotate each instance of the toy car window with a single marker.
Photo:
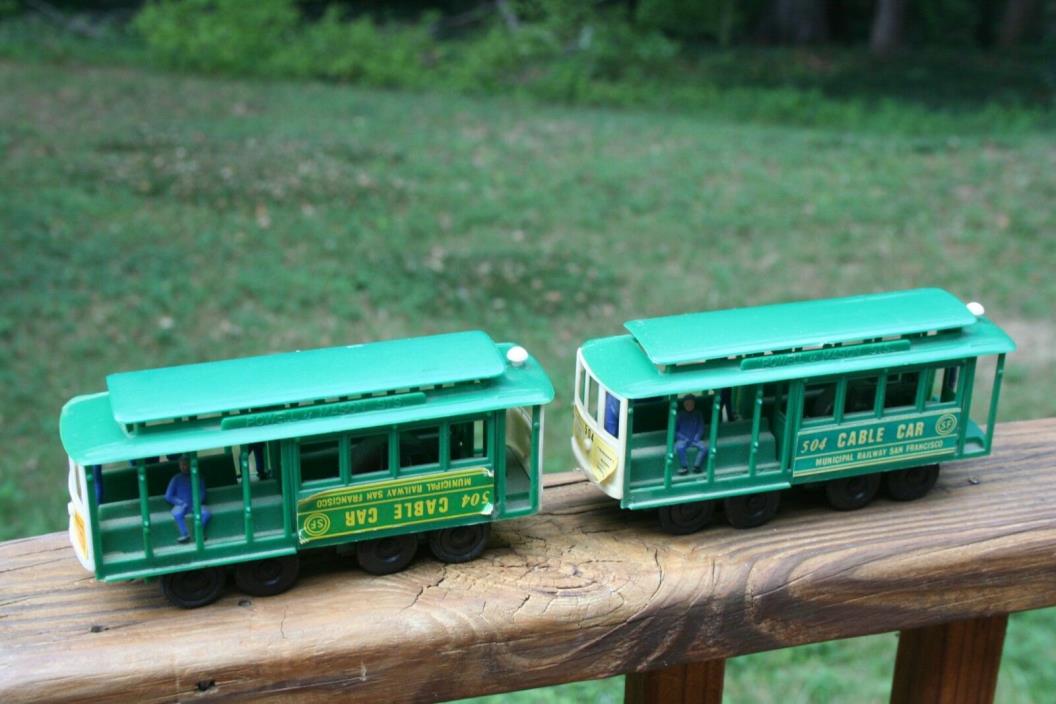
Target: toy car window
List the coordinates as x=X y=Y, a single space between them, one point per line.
x=368 y=453
x=419 y=446
x=319 y=459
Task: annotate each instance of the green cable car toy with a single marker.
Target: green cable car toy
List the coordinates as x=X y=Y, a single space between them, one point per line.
x=184 y=472
x=731 y=407
x=187 y=472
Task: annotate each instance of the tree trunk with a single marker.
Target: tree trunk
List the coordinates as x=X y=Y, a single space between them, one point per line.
x=886 y=34
x=798 y=22
x=1015 y=21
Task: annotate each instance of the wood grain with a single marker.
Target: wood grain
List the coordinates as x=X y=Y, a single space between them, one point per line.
x=692 y=683
x=951 y=663
x=583 y=590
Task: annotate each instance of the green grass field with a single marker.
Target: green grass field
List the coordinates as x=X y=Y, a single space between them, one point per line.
x=150 y=219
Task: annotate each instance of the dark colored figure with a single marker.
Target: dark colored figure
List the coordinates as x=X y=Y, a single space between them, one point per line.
x=689 y=429
x=179 y=495
x=727 y=403
x=949 y=384
x=97 y=481
x=612 y=415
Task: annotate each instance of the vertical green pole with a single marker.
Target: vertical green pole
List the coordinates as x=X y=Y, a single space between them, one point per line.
x=290 y=484
x=535 y=470
x=713 y=434
x=196 y=504
x=757 y=413
x=93 y=518
x=344 y=458
x=247 y=496
x=788 y=441
x=499 y=443
x=445 y=446
x=881 y=391
x=144 y=509
x=669 y=456
x=840 y=401
x=966 y=386
x=394 y=453
x=991 y=418
x=923 y=385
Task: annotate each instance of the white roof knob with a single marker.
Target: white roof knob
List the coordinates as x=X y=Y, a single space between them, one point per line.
x=976 y=308
x=517 y=356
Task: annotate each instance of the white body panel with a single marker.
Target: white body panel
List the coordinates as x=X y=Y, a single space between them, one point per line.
x=80 y=528
x=599 y=454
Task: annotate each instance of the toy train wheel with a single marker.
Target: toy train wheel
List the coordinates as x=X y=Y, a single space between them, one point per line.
x=461 y=543
x=189 y=590
x=386 y=555
x=912 y=483
x=852 y=493
x=682 y=519
x=267 y=577
x=751 y=510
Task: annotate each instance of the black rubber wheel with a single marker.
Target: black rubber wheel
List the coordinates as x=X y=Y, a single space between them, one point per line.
x=912 y=483
x=751 y=510
x=189 y=590
x=461 y=543
x=852 y=493
x=267 y=577
x=386 y=555
x=682 y=519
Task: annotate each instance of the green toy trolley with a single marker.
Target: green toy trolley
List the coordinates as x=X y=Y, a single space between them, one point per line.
x=846 y=394
x=380 y=445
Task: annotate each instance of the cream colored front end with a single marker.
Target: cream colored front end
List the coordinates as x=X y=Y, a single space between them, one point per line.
x=599 y=452
x=80 y=528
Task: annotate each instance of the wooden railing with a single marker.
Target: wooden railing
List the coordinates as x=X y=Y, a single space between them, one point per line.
x=581 y=591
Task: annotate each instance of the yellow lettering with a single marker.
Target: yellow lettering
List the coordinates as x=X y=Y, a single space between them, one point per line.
x=910 y=430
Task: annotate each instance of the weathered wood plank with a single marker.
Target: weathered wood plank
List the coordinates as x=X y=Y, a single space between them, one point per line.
x=692 y=683
x=583 y=590
x=950 y=663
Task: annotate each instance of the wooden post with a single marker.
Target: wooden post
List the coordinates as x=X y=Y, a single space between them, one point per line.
x=950 y=662
x=692 y=683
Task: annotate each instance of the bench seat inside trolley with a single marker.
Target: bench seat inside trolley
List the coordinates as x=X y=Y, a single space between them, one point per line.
x=734 y=439
x=121 y=525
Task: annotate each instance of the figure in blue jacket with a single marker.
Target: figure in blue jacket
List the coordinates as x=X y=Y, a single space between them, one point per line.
x=179 y=495
x=689 y=429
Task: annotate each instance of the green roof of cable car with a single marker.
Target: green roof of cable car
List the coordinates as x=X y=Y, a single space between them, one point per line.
x=696 y=337
x=295 y=377
x=621 y=366
x=91 y=435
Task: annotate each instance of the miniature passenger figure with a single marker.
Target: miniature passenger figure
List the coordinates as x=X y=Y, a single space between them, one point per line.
x=689 y=429
x=179 y=495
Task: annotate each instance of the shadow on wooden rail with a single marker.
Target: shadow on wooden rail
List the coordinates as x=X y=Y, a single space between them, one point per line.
x=581 y=591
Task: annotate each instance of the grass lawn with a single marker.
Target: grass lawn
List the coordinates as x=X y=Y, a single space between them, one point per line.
x=150 y=219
